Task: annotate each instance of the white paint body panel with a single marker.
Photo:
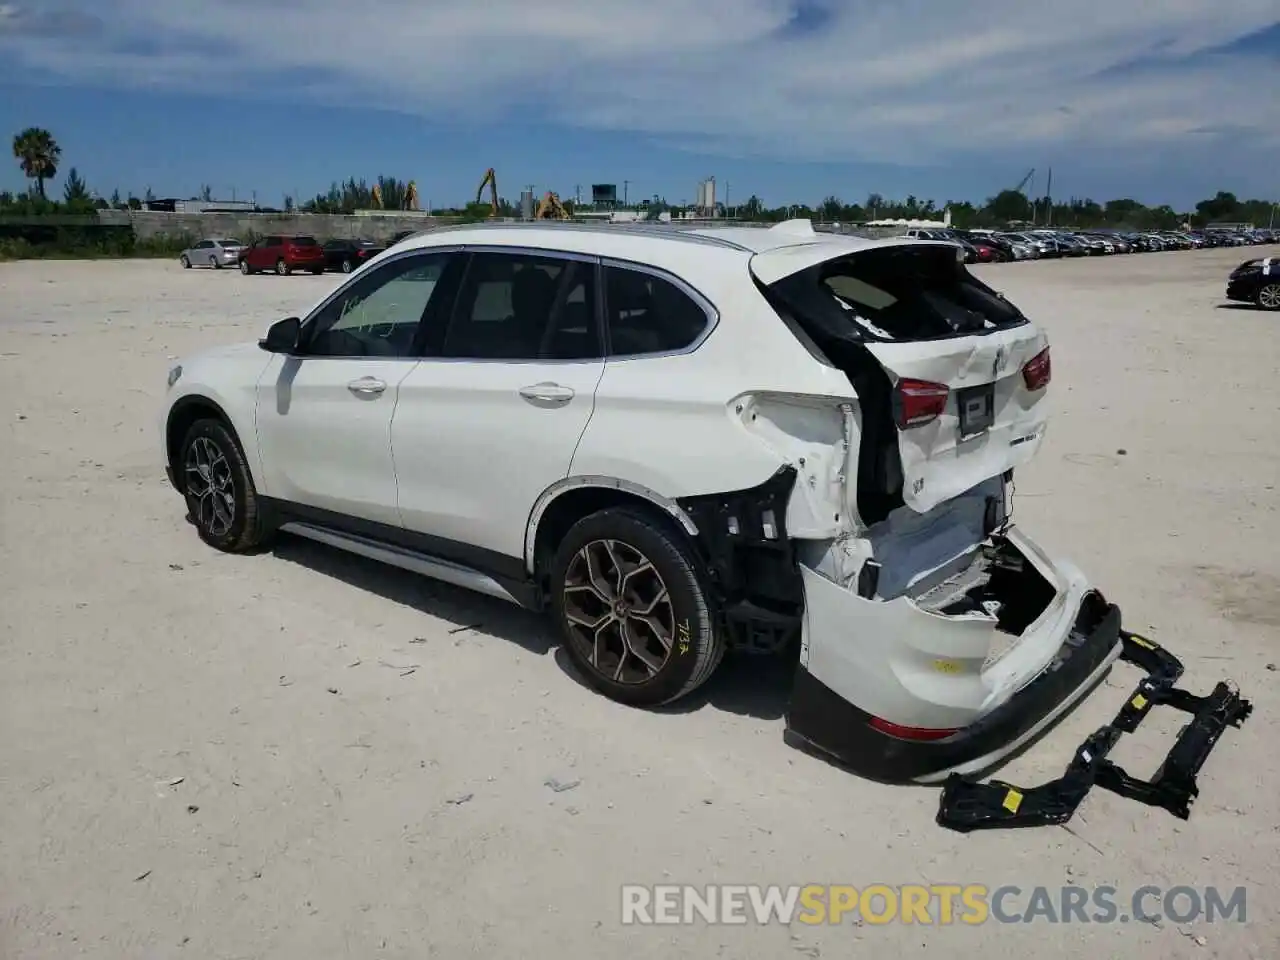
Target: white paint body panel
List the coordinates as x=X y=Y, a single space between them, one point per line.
x=884 y=655
x=472 y=455
x=325 y=446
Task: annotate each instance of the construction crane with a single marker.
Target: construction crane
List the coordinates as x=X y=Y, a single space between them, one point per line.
x=411 y=197
x=551 y=208
x=491 y=181
x=1025 y=180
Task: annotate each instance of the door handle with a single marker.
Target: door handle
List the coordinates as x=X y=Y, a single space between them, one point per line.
x=547 y=393
x=367 y=386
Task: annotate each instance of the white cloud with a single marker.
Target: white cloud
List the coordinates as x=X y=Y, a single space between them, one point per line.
x=892 y=80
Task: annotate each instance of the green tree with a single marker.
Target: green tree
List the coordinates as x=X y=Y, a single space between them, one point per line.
x=38 y=154
x=148 y=197
x=75 y=191
x=1009 y=205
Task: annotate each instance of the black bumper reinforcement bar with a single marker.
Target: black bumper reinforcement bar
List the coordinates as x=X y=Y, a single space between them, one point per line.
x=968 y=804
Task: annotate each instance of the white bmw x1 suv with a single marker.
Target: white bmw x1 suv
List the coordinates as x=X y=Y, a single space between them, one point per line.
x=677 y=443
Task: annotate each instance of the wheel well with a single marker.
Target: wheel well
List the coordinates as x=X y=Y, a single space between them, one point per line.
x=181 y=419
x=571 y=506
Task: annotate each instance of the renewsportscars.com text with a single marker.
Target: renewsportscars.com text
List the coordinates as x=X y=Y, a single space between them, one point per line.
x=927 y=904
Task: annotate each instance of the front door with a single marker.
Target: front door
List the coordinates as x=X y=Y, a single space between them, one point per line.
x=492 y=415
x=324 y=415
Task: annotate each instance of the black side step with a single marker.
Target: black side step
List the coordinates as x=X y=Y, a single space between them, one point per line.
x=968 y=805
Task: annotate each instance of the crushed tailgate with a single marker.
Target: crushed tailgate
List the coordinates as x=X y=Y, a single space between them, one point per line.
x=939 y=334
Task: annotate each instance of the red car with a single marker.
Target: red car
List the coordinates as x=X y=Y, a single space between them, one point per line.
x=283 y=255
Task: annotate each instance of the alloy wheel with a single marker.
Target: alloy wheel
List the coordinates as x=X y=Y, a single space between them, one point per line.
x=210 y=486
x=1269 y=297
x=619 y=610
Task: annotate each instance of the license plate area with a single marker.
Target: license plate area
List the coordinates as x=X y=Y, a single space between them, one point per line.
x=977 y=408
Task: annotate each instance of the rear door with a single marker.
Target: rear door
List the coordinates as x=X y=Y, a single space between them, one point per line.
x=968 y=371
x=492 y=414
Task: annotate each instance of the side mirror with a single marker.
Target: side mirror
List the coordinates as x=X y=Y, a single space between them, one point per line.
x=282 y=336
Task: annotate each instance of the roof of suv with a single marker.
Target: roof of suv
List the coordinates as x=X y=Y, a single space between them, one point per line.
x=641 y=242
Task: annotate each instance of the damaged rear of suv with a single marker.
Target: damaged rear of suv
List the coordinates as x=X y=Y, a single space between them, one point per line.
x=936 y=637
x=927 y=617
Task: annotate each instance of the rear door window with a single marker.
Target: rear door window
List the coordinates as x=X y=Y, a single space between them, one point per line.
x=517 y=306
x=647 y=314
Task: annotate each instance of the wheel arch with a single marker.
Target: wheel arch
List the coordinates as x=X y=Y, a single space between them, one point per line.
x=567 y=501
x=186 y=411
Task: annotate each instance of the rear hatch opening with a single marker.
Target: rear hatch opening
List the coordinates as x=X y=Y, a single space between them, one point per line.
x=950 y=376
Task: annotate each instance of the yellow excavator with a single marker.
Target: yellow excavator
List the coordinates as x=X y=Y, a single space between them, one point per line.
x=551 y=208
x=491 y=181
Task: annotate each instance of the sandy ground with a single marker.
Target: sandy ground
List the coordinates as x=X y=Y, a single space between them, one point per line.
x=178 y=778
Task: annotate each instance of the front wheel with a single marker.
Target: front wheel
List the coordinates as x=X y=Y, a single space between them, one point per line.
x=1269 y=296
x=282 y=268
x=186 y=264
x=245 y=268
x=215 y=263
x=630 y=600
x=347 y=266
x=222 y=501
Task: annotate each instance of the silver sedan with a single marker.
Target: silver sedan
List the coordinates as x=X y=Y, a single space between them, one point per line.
x=215 y=253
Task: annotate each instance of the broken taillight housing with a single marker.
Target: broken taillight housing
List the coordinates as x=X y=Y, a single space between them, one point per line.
x=1037 y=371
x=917 y=402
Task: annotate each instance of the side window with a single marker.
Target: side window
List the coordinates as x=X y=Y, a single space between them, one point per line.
x=649 y=314
x=204 y=245
x=273 y=242
x=378 y=315
x=524 y=307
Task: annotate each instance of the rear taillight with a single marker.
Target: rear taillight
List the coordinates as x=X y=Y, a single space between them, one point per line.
x=1037 y=372
x=918 y=402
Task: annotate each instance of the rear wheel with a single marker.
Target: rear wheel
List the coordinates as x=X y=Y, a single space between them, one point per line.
x=630 y=600
x=186 y=264
x=222 y=502
x=1269 y=296
x=283 y=268
x=347 y=266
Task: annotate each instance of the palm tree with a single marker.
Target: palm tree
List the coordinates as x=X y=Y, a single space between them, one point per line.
x=38 y=154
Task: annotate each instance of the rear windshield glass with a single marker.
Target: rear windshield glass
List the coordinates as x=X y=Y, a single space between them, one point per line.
x=897 y=293
x=230 y=243
x=304 y=241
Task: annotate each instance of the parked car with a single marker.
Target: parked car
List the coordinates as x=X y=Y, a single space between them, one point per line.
x=1256 y=281
x=219 y=253
x=651 y=435
x=347 y=255
x=283 y=254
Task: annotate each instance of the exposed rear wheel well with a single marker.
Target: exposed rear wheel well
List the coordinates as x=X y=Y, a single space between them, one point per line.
x=181 y=419
x=571 y=506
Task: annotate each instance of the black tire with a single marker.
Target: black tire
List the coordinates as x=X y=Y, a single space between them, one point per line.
x=215 y=263
x=1268 y=296
x=283 y=269
x=245 y=268
x=210 y=441
x=318 y=271
x=347 y=266
x=696 y=647
x=186 y=264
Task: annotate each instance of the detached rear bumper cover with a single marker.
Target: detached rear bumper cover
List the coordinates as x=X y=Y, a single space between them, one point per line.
x=822 y=722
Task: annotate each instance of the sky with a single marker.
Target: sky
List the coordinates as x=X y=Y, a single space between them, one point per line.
x=1165 y=101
